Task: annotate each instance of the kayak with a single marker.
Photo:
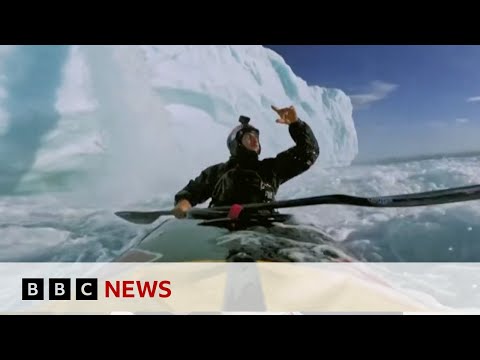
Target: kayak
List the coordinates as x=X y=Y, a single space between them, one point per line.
x=181 y=240
x=247 y=233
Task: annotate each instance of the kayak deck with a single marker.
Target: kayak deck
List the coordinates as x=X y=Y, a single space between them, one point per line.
x=188 y=240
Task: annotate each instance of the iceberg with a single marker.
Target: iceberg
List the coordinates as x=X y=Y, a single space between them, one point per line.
x=148 y=118
x=208 y=87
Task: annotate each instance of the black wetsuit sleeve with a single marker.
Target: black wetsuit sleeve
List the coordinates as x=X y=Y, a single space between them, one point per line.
x=299 y=158
x=200 y=189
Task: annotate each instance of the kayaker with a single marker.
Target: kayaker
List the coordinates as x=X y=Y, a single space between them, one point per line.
x=244 y=178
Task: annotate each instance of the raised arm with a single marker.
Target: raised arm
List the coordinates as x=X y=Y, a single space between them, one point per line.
x=300 y=157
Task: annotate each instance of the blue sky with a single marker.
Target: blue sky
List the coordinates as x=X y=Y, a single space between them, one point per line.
x=407 y=100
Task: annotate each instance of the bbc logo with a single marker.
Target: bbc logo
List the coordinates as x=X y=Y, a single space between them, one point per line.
x=59 y=289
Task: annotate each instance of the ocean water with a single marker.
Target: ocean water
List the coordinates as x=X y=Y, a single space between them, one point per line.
x=89 y=130
x=62 y=226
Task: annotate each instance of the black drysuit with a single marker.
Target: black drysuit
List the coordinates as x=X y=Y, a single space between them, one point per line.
x=246 y=179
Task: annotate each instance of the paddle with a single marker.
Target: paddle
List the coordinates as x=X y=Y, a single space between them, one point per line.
x=148 y=217
x=436 y=197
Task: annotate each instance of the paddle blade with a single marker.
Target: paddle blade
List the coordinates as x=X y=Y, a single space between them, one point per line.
x=142 y=217
x=436 y=197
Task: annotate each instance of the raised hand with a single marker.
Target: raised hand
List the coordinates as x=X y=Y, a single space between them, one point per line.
x=286 y=115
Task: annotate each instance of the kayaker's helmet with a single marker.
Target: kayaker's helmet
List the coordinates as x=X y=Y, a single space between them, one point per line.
x=234 y=140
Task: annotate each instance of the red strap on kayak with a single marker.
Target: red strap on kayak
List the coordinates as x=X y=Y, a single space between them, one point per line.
x=235 y=211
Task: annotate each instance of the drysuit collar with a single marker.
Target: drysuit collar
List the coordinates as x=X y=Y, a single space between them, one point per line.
x=245 y=158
